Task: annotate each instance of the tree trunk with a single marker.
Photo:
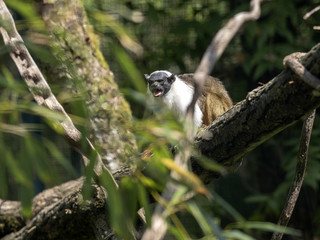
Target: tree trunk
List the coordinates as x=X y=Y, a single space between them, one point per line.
x=77 y=47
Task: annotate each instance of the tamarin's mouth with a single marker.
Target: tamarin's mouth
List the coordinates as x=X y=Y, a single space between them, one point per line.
x=157 y=92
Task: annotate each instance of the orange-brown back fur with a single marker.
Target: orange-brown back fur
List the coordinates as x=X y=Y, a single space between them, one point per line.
x=214 y=99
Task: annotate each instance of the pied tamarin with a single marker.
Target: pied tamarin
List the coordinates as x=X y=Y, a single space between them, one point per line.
x=176 y=91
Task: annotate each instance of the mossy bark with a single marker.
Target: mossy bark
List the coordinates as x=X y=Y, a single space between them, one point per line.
x=77 y=48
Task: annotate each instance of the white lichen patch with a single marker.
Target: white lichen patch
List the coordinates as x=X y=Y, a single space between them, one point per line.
x=205 y=134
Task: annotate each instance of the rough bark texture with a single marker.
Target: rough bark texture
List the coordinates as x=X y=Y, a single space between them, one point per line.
x=11 y=218
x=266 y=111
x=59 y=213
x=77 y=48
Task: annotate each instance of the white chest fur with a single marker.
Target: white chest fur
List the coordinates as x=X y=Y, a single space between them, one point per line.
x=178 y=99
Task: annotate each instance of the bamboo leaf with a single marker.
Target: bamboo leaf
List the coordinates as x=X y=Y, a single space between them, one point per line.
x=266 y=226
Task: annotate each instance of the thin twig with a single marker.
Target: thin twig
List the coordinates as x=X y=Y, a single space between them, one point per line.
x=299 y=174
x=214 y=51
x=308 y=14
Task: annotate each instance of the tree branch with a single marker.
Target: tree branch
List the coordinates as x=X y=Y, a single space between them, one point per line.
x=299 y=174
x=308 y=14
x=266 y=111
x=63 y=206
x=292 y=62
x=11 y=218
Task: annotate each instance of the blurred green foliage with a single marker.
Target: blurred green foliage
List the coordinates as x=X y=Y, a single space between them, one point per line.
x=142 y=36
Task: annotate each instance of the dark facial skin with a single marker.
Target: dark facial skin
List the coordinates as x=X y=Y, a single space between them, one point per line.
x=159 y=83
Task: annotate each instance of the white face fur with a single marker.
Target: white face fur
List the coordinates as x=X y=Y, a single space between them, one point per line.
x=174 y=92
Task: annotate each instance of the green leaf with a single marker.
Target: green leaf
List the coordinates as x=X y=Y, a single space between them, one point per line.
x=40 y=161
x=205 y=221
x=58 y=156
x=3 y=180
x=178 y=195
x=130 y=69
x=236 y=234
x=115 y=206
x=17 y=170
x=266 y=226
x=144 y=202
x=25 y=195
x=233 y=212
x=129 y=197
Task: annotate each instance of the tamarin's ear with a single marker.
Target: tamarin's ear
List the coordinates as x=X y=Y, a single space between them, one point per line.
x=172 y=78
x=146 y=76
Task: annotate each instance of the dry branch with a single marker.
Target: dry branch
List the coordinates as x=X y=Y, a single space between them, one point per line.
x=308 y=14
x=299 y=174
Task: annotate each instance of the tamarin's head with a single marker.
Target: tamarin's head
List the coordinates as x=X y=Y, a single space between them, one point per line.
x=159 y=82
